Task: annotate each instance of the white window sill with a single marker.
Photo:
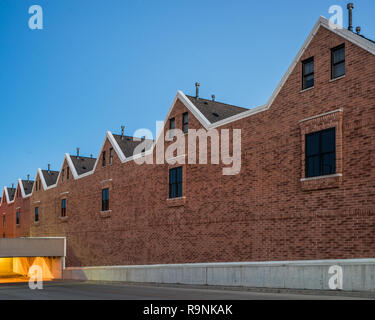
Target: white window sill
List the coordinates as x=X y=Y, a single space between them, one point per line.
x=322 y=177
x=308 y=89
x=338 y=78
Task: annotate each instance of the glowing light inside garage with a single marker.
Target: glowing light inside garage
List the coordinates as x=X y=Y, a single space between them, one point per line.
x=17 y=269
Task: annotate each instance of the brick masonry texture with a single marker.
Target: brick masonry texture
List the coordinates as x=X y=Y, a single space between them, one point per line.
x=265 y=213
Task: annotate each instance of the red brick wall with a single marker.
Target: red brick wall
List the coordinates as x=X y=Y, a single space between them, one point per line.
x=11 y=229
x=264 y=213
x=7 y=210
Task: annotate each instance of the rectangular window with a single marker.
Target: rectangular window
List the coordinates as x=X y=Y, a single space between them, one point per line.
x=67 y=173
x=103 y=159
x=4 y=221
x=63 y=207
x=338 y=62
x=111 y=156
x=185 y=122
x=172 y=124
x=321 y=153
x=18 y=217
x=62 y=174
x=308 y=73
x=175 y=183
x=36 y=215
x=105 y=199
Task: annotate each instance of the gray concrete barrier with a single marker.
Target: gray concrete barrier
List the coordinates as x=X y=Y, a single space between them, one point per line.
x=358 y=274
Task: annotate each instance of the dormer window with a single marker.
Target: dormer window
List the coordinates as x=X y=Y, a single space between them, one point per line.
x=338 y=62
x=308 y=73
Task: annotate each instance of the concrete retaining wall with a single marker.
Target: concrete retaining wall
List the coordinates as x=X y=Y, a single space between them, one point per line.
x=358 y=274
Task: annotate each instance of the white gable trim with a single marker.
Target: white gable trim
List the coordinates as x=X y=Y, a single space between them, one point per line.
x=23 y=190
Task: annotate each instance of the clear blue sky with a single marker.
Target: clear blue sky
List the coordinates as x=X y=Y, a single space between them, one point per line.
x=99 y=64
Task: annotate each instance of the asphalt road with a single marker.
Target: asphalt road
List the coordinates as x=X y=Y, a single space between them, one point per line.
x=74 y=290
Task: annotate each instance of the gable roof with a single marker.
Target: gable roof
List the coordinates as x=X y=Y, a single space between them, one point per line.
x=50 y=177
x=27 y=187
x=11 y=193
x=128 y=144
x=83 y=164
x=215 y=111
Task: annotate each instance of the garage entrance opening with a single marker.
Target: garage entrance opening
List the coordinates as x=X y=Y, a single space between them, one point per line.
x=18 y=269
x=22 y=258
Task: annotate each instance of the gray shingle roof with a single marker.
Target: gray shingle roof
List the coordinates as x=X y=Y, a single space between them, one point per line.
x=50 y=177
x=11 y=193
x=83 y=164
x=27 y=186
x=215 y=111
x=128 y=145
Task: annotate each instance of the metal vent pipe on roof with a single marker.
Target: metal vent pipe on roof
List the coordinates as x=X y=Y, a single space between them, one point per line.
x=77 y=153
x=49 y=168
x=197 y=84
x=350 y=7
x=213 y=97
x=28 y=178
x=358 y=30
x=122 y=132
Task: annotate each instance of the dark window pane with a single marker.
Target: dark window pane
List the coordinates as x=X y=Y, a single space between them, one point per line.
x=321 y=153
x=328 y=141
x=313 y=166
x=308 y=82
x=36 y=214
x=179 y=174
x=338 y=70
x=338 y=55
x=338 y=62
x=172 y=123
x=308 y=67
x=328 y=164
x=105 y=199
x=175 y=182
x=185 y=122
x=308 y=73
x=312 y=144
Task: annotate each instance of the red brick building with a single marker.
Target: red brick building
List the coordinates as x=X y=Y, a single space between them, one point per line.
x=15 y=210
x=305 y=189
